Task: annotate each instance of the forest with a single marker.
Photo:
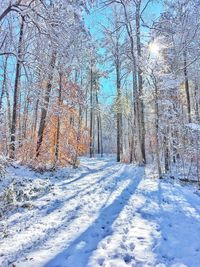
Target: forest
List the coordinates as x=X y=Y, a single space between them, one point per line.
x=99 y=133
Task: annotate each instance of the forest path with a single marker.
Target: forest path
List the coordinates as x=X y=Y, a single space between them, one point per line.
x=105 y=214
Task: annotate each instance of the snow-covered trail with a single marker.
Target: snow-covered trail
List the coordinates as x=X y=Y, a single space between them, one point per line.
x=105 y=214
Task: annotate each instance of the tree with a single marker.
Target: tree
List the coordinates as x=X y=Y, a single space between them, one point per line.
x=16 y=91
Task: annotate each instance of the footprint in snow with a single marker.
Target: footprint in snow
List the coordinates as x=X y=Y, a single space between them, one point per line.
x=126 y=230
x=108 y=240
x=124 y=238
x=101 y=261
x=140 y=237
x=132 y=246
x=123 y=246
x=128 y=258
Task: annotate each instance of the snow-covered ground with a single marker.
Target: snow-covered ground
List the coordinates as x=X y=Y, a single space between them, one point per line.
x=102 y=214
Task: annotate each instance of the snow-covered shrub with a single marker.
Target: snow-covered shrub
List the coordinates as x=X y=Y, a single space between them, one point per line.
x=19 y=192
x=28 y=189
x=3 y=163
x=9 y=195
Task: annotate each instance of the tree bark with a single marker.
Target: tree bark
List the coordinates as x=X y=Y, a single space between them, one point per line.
x=166 y=153
x=140 y=84
x=16 y=91
x=119 y=113
x=58 y=119
x=157 y=132
x=196 y=105
x=101 y=135
x=46 y=104
x=4 y=82
x=98 y=126
x=91 y=115
x=187 y=89
x=35 y=120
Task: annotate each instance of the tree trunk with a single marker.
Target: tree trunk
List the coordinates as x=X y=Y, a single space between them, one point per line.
x=196 y=105
x=140 y=85
x=75 y=164
x=9 y=110
x=16 y=92
x=35 y=120
x=157 y=133
x=25 y=116
x=101 y=135
x=135 y=82
x=187 y=89
x=46 y=104
x=58 y=119
x=91 y=116
x=119 y=113
x=4 y=82
x=98 y=126
x=166 y=154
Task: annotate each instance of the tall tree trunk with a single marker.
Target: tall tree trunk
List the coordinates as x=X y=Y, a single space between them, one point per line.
x=3 y=83
x=58 y=119
x=80 y=118
x=25 y=115
x=46 y=104
x=196 y=105
x=119 y=113
x=9 y=110
x=98 y=126
x=35 y=119
x=140 y=84
x=166 y=153
x=91 y=116
x=187 y=89
x=19 y=120
x=136 y=119
x=157 y=132
x=16 y=91
x=101 y=135
x=78 y=138
x=98 y=135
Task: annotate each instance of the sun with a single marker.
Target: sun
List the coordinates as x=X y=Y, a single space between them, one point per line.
x=154 y=48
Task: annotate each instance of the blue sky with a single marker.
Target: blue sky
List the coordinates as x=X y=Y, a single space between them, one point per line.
x=94 y=20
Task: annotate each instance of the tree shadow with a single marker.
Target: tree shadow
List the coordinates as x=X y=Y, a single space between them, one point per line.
x=57 y=205
x=177 y=224
x=88 y=172
x=80 y=250
x=180 y=225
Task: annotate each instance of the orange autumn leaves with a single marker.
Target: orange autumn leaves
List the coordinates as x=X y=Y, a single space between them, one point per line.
x=65 y=130
x=73 y=138
x=65 y=136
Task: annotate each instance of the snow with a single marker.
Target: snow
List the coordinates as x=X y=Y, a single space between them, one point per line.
x=193 y=126
x=102 y=214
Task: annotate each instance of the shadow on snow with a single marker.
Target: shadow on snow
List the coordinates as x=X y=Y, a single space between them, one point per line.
x=88 y=241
